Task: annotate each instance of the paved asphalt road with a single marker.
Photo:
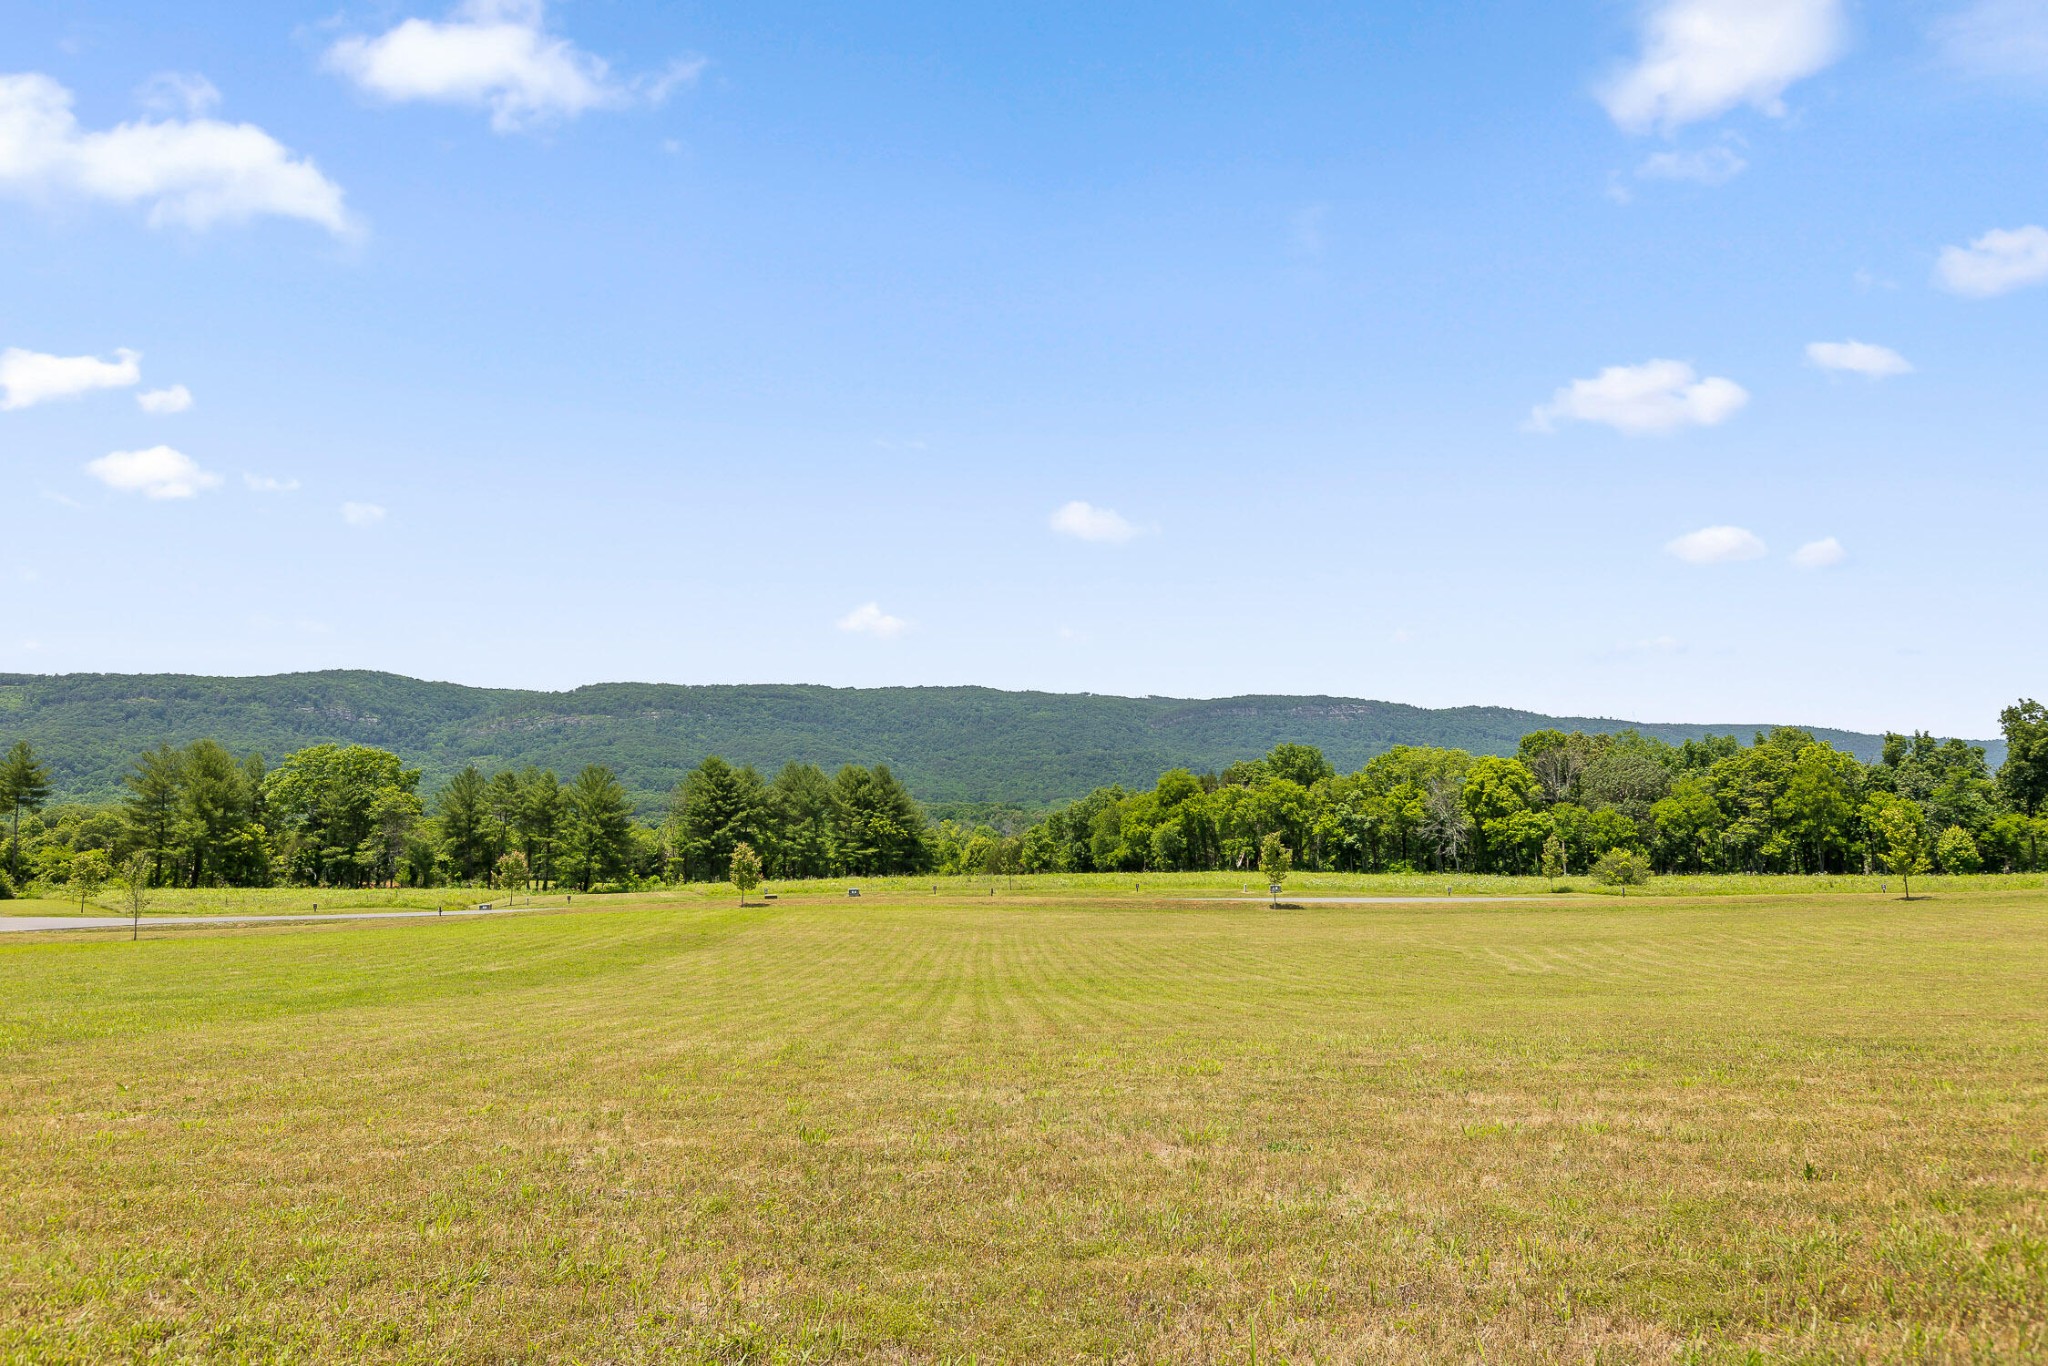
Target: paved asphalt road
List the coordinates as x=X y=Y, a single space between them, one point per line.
x=27 y=924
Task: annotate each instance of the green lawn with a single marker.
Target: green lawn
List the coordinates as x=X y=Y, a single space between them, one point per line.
x=1038 y=1128
x=1090 y=886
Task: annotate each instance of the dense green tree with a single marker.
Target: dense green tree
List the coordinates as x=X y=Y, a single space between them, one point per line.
x=463 y=809
x=1630 y=774
x=1623 y=868
x=223 y=840
x=540 y=821
x=1819 y=801
x=717 y=807
x=598 y=830
x=1499 y=796
x=877 y=826
x=1303 y=765
x=2024 y=775
x=1956 y=852
x=1899 y=827
x=503 y=802
x=342 y=812
x=1690 y=823
x=24 y=786
x=801 y=797
x=156 y=788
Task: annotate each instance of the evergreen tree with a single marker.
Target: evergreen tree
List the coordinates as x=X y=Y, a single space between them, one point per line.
x=155 y=804
x=876 y=826
x=540 y=821
x=801 y=801
x=464 y=811
x=716 y=807
x=24 y=786
x=598 y=833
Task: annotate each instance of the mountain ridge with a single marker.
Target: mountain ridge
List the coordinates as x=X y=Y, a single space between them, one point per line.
x=949 y=743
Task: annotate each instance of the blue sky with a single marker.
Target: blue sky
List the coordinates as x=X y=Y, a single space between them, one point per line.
x=1680 y=362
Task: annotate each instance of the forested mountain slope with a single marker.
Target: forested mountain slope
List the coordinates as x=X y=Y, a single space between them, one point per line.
x=948 y=744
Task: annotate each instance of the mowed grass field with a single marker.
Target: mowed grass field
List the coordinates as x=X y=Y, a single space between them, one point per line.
x=961 y=1128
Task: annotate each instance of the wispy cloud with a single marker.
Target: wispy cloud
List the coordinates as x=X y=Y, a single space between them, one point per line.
x=361 y=514
x=1715 y=165
x=175 y=399
x=1858 y=358
x=1653 y=398
x=1999 y=262
x=158 y=472
x=497 y=55
x=1717 y=545
x=193 y=172
x=1997 y=39
x=1086 y=522
x=1701 y=58
x=31 y=377
x=179 y=92
x=263 y=483
x=1819 y=554
x=869 y=619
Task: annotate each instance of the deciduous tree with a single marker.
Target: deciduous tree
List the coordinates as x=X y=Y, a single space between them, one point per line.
x=746 y=869
x=1275 y=863
x=1899 y=835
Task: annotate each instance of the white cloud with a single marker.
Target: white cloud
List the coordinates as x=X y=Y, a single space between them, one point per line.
x=1086 y=522
x=158 y=472
x=869 y=619
x=1997 y=38
x=496 y=54
x=1858 y=358
x=1654 y=397
x=1819 y=554
x=2000 y=261
x=175 y=399
x=30 y=377
x=179 y=92
x=1717 y=545
x=360 y=514
x=1708 y=166
x=263 y=483
x=195 y=172
x=1701 y=58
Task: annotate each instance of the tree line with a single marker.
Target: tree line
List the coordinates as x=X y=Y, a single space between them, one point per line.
x=352 y=816
x=1786 y=803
